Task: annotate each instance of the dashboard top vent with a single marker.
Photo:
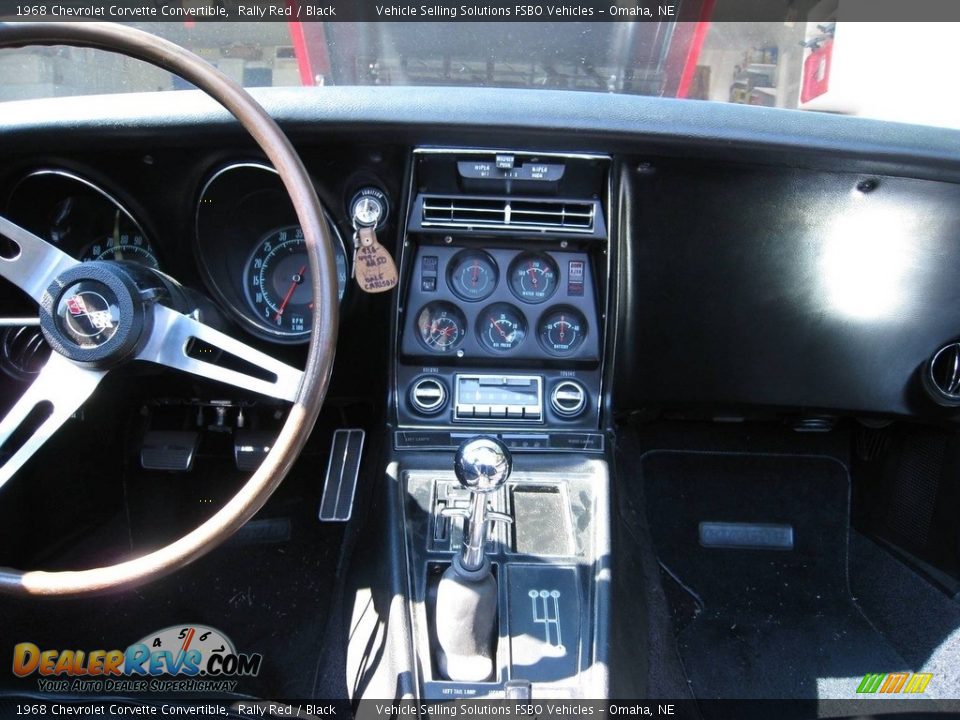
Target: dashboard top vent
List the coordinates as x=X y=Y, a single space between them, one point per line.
x=510 y=214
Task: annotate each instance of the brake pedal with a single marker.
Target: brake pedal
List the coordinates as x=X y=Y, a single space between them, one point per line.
x=171 y=451
x=343 y=471
x=250 y=447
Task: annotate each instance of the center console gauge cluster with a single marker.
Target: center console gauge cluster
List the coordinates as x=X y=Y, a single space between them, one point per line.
x=501 y=308
x=501 y=303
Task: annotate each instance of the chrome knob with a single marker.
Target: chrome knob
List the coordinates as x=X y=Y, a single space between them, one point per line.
x=482 y=464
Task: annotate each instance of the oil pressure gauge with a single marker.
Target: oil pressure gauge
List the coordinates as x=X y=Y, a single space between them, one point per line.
x=501 y=327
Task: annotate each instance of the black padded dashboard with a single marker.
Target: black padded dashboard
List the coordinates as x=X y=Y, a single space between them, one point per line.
x=759 y=257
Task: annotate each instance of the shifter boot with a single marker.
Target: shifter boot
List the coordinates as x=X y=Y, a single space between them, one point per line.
x=466 y=615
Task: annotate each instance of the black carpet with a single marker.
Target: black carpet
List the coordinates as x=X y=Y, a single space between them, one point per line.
x=272 y=598
x=761 y=623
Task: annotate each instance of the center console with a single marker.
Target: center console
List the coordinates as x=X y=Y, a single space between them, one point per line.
x=501 y=320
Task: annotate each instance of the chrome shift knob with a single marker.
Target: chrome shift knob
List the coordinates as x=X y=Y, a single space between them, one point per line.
x=482 y=464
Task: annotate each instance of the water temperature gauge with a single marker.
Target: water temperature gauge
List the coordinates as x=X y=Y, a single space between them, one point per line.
x=562 y=330
x=533 y=277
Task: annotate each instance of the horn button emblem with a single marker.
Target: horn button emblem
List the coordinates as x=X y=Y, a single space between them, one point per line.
x=95 y=313
x=88 y=314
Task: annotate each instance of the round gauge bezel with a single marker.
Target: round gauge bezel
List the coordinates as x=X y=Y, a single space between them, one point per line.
x=527 y=256
x=461 y=322
x=484 y=321
x=458 y=261
x=233 y=294
x=81 y=252
x=542 y=326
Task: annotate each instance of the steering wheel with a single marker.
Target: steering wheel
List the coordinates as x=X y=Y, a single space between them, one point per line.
x=100 y=315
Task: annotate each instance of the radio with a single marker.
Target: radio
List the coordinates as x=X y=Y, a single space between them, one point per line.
x=500 y=397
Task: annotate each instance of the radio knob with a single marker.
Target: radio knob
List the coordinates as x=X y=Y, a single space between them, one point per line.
x=568 y=398
x=428 y=395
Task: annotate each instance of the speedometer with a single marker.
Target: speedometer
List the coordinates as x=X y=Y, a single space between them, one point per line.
x=277 y=282
x=125 y=241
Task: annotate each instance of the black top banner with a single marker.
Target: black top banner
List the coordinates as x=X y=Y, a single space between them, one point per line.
x=476 y=10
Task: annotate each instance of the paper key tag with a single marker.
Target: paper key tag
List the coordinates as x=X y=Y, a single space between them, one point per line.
x=373 y=267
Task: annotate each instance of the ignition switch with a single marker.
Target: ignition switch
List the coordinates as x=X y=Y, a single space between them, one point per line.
x=369 y=208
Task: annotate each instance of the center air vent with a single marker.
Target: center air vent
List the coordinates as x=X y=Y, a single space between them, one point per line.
x=941 y=376
x=568 y=216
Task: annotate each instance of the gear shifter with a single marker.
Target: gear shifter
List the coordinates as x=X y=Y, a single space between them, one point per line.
x=466 y=610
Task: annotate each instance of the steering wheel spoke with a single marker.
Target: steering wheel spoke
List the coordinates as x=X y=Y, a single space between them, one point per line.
x=180 y=342
x=30 y=262
x=59 y=389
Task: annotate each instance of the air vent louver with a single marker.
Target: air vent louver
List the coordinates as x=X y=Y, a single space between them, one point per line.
x=23 y=351
x=941 y=376
x=508 y=214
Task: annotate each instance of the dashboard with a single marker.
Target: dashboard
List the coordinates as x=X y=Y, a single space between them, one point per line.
x=617 y=254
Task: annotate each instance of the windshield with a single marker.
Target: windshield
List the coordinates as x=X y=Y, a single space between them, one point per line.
x=817 y=65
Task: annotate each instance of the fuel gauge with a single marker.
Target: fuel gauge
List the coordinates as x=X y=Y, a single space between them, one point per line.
x=472 y=275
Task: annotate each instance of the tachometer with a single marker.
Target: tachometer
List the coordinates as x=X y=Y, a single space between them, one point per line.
x=440 y=326
x=277 y=282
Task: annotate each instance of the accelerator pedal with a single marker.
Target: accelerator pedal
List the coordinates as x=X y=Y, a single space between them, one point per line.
x=343 y=471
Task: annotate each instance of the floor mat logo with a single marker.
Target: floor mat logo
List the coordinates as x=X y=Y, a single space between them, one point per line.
x=893 y=683
x=179 y=657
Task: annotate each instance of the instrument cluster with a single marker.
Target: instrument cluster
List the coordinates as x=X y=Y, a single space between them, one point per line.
x=249 y=246
x=511 y=303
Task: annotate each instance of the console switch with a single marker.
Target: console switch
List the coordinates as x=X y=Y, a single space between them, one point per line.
x=575 y=270
x=429 y=266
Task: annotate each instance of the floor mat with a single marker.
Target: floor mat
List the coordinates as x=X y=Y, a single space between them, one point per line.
x=269 y=598
x=761 y=623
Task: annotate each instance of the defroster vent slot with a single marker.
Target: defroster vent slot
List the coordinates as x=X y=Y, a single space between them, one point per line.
x=572 y=216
